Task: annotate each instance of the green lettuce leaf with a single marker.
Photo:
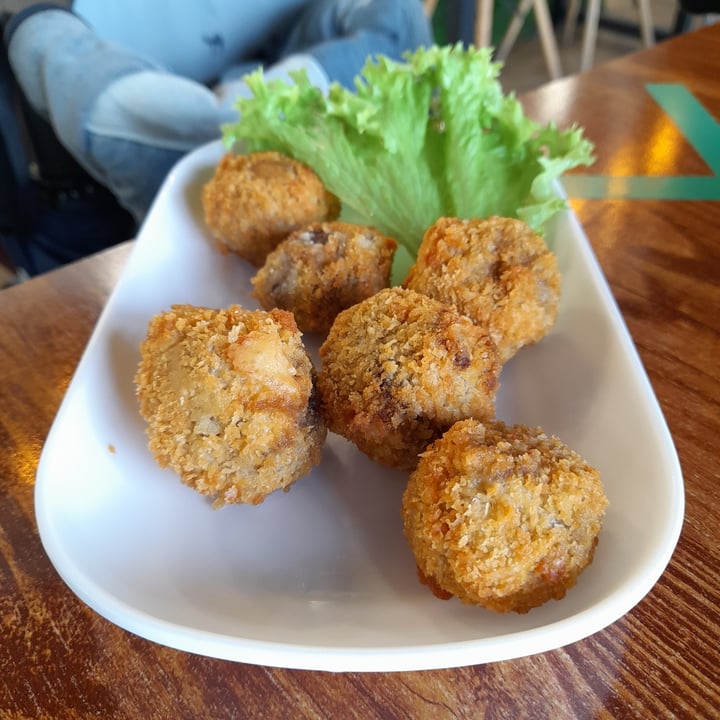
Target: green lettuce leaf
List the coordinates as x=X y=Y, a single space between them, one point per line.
x=417 y=140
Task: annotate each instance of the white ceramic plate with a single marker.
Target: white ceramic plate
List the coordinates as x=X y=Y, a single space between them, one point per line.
x=320 y=577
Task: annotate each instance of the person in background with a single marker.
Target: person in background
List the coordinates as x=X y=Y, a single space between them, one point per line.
x=130 y=87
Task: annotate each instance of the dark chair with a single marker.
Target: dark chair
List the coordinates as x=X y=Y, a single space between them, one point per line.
x=51 y=211
x=700 y=7
x=688 y=8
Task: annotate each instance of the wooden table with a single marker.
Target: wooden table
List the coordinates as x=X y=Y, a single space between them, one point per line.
x=59 y=659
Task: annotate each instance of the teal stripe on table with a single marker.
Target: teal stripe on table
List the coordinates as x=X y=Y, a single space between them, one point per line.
x=694 y=122
x=700 y=129
x=597 y=187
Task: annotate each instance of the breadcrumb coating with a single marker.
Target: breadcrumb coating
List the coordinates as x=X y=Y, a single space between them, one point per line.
x=501 y=516
x=323 y=269
x=255 y=201
x=229 y=400
x=497 y=271
x=399 y=368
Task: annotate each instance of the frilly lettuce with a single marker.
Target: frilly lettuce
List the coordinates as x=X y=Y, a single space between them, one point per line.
x=433 y=136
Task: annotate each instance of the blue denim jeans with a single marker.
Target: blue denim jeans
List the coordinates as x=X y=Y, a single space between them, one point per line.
x=129 y=113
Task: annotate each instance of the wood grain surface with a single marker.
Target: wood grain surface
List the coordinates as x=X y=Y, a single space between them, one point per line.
x=59 y=659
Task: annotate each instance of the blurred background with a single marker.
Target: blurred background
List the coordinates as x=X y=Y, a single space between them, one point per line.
x=619 y=33
x=525 y=68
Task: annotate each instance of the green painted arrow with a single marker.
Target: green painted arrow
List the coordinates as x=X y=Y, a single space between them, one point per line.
x=702 y=132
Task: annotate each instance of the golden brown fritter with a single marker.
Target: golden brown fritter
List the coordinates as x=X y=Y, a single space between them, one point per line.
x=399 y=368
x=322 y=269
x=255 y=201
x=229 y=400
x=502 y=516
x=496 y=271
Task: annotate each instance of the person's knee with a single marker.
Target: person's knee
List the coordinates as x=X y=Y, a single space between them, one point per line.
x=343 y=34
x=402 y=23
x=30 y=37
x=140 y=126
x=157 y=109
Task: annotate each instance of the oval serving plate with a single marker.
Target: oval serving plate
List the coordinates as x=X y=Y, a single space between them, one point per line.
x=320 y=577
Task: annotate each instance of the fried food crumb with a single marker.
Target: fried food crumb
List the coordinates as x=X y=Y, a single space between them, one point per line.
x=229 y=400
x=255 y=201
x=399 y=368
x=497 y=271
x=502 y=516
x=323 y=269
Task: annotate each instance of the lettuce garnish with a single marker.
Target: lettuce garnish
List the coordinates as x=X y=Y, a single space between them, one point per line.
x=433 y=136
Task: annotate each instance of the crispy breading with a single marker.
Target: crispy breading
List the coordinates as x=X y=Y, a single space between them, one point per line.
x=497 y=271
x=229 y=400
x=399 y=368
x=502 y=516
x=255 y=201
x=322 y=269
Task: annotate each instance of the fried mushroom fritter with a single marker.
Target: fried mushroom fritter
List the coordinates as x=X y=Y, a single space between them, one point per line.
x=255 y=201
x=229 y=400
x=399 y=368
x=497 y=271
x=323 y=269
x=501 y=516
